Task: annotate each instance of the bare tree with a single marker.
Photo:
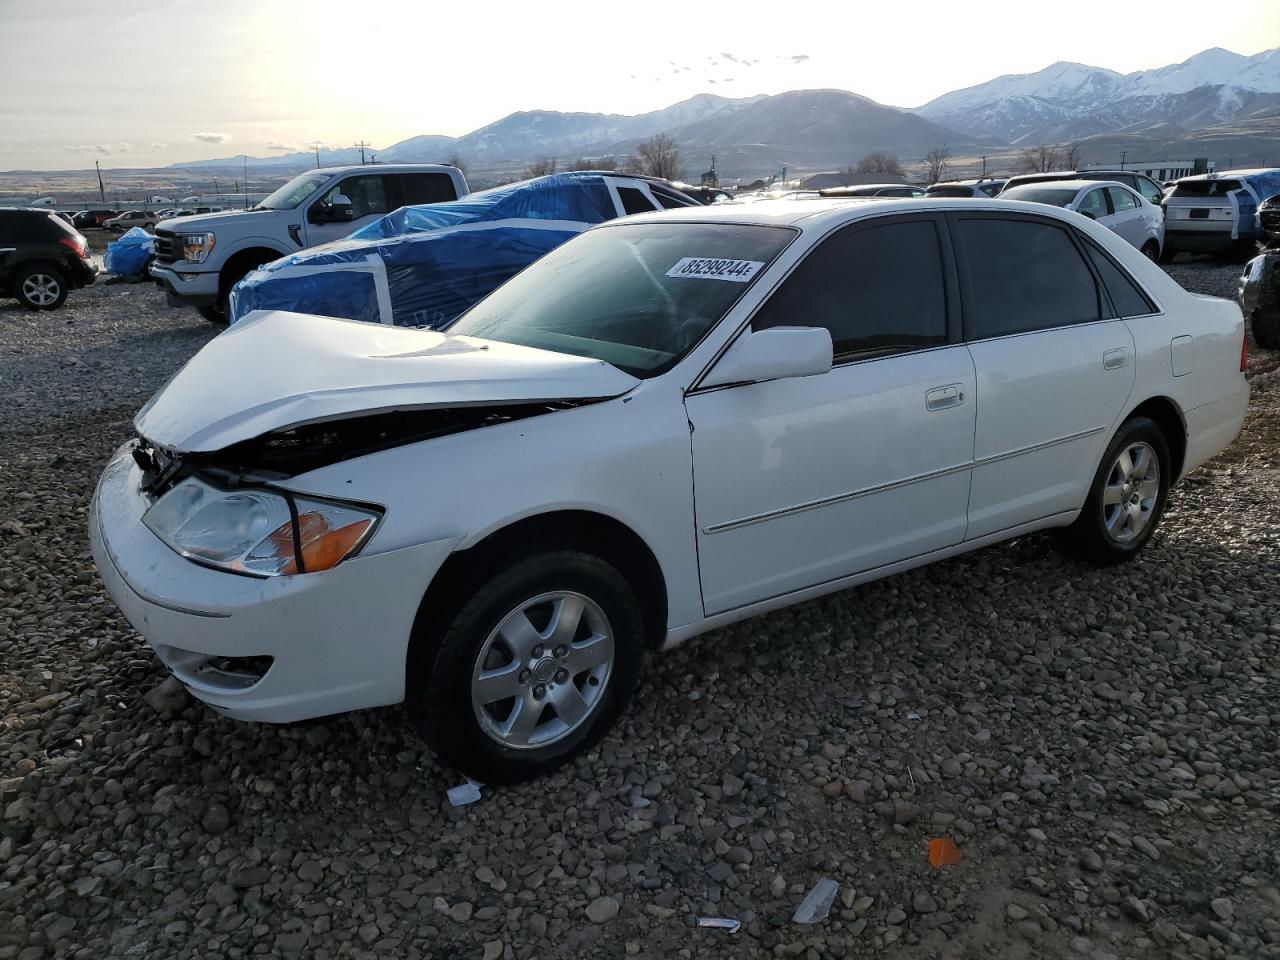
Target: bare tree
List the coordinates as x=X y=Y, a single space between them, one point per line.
x=1040 y=159
x=880 y=161
x=593 y=163
x=660 y=157
x=935 y=163
x=631 y=165
x=1072 y=154
x=540 y=168
x=456 y=161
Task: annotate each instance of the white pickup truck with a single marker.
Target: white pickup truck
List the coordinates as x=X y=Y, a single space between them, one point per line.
x=200 y=258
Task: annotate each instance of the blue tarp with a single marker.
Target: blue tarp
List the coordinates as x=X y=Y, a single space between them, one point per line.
x=423 y=266
x=128 y=255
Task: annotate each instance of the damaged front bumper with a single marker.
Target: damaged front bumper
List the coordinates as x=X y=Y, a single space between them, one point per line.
x=276 y=650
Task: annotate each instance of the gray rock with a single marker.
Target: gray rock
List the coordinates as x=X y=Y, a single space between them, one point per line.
x=603 y=909
x=168 y=697
x=1222 y=908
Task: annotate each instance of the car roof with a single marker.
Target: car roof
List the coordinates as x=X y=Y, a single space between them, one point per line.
x=823 y=213
x=1076 y=185
x=386 y=168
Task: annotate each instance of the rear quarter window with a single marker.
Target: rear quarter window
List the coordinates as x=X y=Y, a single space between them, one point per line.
x=1126 y=296
x=417 y=188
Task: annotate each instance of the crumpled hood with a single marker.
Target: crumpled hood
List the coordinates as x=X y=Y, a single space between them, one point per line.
x=276 y=370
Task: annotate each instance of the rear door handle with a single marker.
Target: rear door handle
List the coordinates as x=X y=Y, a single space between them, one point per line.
x=941 y=398
x=1115 y=359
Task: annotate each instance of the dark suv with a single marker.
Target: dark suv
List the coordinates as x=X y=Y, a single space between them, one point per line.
x=42 y=258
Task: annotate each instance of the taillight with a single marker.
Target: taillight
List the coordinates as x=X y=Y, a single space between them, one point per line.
x=1244 y=353
x=77 y=245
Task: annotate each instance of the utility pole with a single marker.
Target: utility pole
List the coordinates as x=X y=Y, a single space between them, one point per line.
x=361 y=144
x=246 y=173
x=102 y=194
x=1123 y=154
x=984 y=166
x=317 y=156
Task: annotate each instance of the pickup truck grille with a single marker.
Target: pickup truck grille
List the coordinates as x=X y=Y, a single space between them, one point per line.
x=168 y=246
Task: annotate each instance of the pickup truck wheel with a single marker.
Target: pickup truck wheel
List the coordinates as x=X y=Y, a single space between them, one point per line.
x=40 y=286
x=532 y=669
x=214 y=315
x=1266 y=328
x=1127 y=496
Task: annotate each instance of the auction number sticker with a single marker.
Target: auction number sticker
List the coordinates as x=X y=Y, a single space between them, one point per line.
x=707 y=268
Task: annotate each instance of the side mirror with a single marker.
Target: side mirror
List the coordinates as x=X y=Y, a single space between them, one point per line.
x=777 y=353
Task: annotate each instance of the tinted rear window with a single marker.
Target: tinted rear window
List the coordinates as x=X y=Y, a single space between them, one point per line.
x=633 y=201
x=1033 y=194
x=950 y=191
x=1205 y=188
x=1024 y=275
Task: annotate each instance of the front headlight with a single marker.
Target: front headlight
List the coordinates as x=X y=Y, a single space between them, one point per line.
x=255 y=532
x=196 y=247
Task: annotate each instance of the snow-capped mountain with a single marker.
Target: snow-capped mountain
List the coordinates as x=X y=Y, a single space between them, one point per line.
x=1071 y=100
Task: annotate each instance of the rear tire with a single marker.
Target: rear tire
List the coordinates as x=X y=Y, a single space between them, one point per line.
x=40 y=286
x=1151 y=250
x=1126 y=498
x=531 y=667
x=1167 y=253
x=1266 y=329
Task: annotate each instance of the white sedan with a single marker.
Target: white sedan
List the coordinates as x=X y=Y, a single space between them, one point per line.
x=1115 y=206
x=670 y=423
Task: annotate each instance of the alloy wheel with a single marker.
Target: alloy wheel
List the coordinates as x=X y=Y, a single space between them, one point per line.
x=1131 y=491
x=542 y=672
x=41 y=289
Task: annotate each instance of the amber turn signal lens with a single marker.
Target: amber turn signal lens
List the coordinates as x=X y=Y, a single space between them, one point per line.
x=323 y=546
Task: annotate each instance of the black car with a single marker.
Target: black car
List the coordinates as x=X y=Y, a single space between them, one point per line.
x=1269 y=220
x=92 y=218
x=42 y=258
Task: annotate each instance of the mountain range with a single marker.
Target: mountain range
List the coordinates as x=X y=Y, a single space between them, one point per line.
x=1216 y=99
x=1070 y=101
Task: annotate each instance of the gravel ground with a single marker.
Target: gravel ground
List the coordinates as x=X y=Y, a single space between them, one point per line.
x=1100 y=745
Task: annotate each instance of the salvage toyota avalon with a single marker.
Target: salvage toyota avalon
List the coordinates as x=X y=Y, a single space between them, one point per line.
x=668 y=424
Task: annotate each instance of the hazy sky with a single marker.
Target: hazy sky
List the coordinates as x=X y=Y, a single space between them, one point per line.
x=150 y=82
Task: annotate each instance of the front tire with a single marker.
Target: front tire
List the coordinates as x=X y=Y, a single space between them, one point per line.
x=1127 y=497
x=530 y=670
x=41 y=286
x=1151 y=250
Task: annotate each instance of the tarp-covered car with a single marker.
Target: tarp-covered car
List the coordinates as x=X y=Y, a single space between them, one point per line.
x=422 y=266
x=129 y=256
x=1217 y=212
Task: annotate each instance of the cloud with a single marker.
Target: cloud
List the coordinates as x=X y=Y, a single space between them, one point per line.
x=283 y=147
x=159 y=145
x=798 y=57
x=317 y=145
x=210 y=137
x=102 y=148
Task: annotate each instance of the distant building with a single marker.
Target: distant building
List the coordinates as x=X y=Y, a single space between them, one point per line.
x=1161 y=169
